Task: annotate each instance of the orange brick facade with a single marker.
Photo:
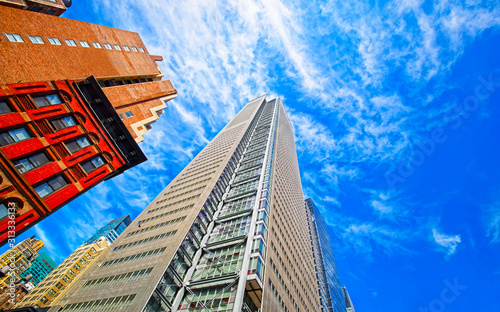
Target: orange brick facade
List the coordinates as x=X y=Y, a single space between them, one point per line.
x=145 y=101
x=32 y=62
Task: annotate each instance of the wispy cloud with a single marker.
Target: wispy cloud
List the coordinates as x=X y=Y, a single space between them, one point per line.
x=447 y=243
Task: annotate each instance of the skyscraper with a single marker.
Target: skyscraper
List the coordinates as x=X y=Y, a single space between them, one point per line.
x=68 y=272
x=111 y=230
x=330 y=291
x=40 y=268
x=347 y=300
x=75 y=100
x=229 y=233
x=19 y=259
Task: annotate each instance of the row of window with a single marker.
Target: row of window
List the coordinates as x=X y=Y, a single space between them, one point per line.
x=146 y=240
x=157 y=226
x=124 y=277
x=142 y=255
x=187 y=186
x=181 y=194
x=40 y=101
x=166 y=214
x=72 y=43
x=117 y=303
x=174 y=203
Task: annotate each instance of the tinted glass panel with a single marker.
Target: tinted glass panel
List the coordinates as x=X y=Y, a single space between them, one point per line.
x=4 y=108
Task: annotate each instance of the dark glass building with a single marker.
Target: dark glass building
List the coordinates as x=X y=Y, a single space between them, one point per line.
x=111 y=230
x=330 y=291
x=40 y=268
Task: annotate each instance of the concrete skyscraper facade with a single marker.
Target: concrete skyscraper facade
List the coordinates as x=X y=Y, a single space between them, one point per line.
x=330 y=290
x=229 y=233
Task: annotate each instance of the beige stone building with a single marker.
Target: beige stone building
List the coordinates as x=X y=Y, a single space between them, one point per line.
x=229 y=233
x=50 y=290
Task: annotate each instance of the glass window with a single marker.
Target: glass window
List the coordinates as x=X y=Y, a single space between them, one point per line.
x=78 y=144
x=51 y=186
x=65 y=278
x=31 y=162
x=70 y=42
x=128 y=114
x=47 y=100
x=12 y=136
x=84 y=44
x=36 y=39
x=117 y=46
x=141 y=50
x=121 y=116
x=14 y=38
x=96 y=45
x=4 y=212
x=126 y=48
x=134 y=49
x=93 y=164
x=54 y=41
x=108 y=46
x=5 y=108
x=62 y=123
x=58 y=285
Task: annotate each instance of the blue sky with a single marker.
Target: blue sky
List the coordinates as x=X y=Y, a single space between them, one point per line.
x=397 y=124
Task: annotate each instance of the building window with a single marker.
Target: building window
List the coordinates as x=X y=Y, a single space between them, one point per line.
x=63 y=123
x=134 y=49
x=141 y=50
x=65 y=278
x=52 y=292
x=126 y=48
x=108 y=46
x=59 y=285
x=93 y=164
x=97 y=45
x=47 y=100
x=54 y=41
x=78 y=144
x=31 y=162
x=88 y=255
x=44 y=299
x=82 y=261
x=92 y=250
x=36 y=8
x=84 y=44
x=128 y=114
x=121 y=116
x=70 y=42
x=4 y=212
x=14 y=38
x=12 y=136
x=117 y=46
x=5 y=108
x=50 y=11
x=71 y=272
x=36 y=39
x=51 y=186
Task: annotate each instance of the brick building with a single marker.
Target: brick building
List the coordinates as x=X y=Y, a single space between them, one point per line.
x=75 y=101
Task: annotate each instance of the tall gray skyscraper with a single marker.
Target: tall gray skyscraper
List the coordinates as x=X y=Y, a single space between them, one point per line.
x=229 y=233
x=330 y=291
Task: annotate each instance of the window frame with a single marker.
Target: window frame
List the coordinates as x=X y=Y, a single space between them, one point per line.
x=47 y=100
x=8 y=105
x=141 y=50
x=127 y=113
x=33 y=164
x=54 y=41
x=16 y=37
x=126 y=48
x=97 y=45
x=91 y=162
x=117 y=47
x=64 y=178
x=84 y=43
x=14 y=138
x=77 y=143
x=36 y=39
x=70 y=41
x=134 y=49
x=61 y=119
x=108 y=46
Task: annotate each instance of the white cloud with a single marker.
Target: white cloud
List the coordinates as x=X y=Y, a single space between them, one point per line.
x=447 y=243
